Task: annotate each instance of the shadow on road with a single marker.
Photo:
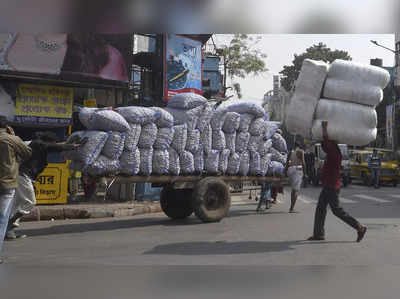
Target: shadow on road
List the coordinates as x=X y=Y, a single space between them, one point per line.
x=57 y=229
x=222 y=248
x=228 y=248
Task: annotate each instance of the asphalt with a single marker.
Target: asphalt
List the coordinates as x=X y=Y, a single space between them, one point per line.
x=246 y=255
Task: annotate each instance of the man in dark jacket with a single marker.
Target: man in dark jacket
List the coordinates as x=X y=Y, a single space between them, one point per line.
x=42 y=144
x=13 y=150
x=331 y=182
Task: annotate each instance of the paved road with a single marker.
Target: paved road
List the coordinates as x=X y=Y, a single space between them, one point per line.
x=248 y=254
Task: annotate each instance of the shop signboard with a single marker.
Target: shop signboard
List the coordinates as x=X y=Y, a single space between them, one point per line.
x=41 y=104
x=84 y=58
x=51 y=187
x=90 y=103
x=182 y=65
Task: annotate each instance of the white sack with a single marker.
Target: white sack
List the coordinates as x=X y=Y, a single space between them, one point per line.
x=108 y=120
x=180 y=138
x=138 y=115
x=356 y=72
x=187 y=162
x=277 y=156
x=91 y=150
x=205 y=118
x=114 y=146
x=164 y=138
x=199 y=161
x=270 y=128
x=148 y=136
x=300 y=112
x=146 y=161
x=255 y=163
x=223 y=160
x=354 y=92
x=279 y=143
x=174 y=163
x=164 y=119
x=160 y=161
x=257 y=127
x=348 y=123
x=245 y=121
x=193 y=141
x=206 y=139
x=212 y=162
x=218 y=140
x=265 y=161
x=254 y=143
x=130 y=162
x=233 y=164
x=265 y=147
x=311 y=78
x=85 y=115
x=218 y=119
x=276 y=169
x=188 y=117
x=231 y=123
x=230 y=140
x=247 y=107
x=187 y=100
x=242 y=141
x=132 y=137
x=103 y=166
x=244 y=163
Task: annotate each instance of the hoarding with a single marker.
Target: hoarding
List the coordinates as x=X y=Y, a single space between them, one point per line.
x=80 y=58
x=51 y=187
x=40 y=104
x=182 y=65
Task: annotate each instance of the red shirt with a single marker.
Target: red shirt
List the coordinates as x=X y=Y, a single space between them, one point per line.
x=331 y=176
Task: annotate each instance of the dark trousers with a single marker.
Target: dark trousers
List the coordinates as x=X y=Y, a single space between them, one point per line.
x=331 y=197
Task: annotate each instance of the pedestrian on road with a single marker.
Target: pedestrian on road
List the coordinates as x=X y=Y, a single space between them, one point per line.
x=13 y=150
x=275 y=190
x=265 y=196
x=25 y=199
x=295 y=170
x=331 y=182
x=374 y=165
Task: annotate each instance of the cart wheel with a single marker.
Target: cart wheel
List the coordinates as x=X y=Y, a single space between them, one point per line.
x=211 y=200
x=176 y=203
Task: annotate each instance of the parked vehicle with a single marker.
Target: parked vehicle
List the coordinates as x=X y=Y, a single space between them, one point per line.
x=319 y=160
x=389 y=173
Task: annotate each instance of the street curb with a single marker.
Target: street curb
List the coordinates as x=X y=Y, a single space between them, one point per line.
x=62 y=213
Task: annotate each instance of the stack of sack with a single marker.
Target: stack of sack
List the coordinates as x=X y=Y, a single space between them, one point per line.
x=187 y=137
x=344 y=93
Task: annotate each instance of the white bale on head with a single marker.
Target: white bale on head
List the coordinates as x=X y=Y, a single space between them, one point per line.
x=311 y=78
x=348 y=91
x=359 y=73
x=348 y=123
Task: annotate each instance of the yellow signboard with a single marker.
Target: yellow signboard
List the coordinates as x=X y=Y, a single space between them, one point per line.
x=51 y=186
x=90 y=103
x=43 y=102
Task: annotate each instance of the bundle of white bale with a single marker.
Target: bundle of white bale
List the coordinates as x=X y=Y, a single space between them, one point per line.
x=187 y=137
x=344 y=93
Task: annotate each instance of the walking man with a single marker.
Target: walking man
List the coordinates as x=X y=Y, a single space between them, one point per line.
x=25 y=199
x=13 y=150
x=331 y=182
x=374 y=165
x=295 y=170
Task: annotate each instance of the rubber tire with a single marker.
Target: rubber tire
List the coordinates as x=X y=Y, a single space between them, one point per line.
x=211 y=199
x=176 y=203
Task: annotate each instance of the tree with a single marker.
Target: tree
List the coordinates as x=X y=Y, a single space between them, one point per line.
x=241 y=58
x=316 y=52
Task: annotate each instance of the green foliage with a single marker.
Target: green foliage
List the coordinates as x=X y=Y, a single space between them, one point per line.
x=316 y=52
x=242 y=58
